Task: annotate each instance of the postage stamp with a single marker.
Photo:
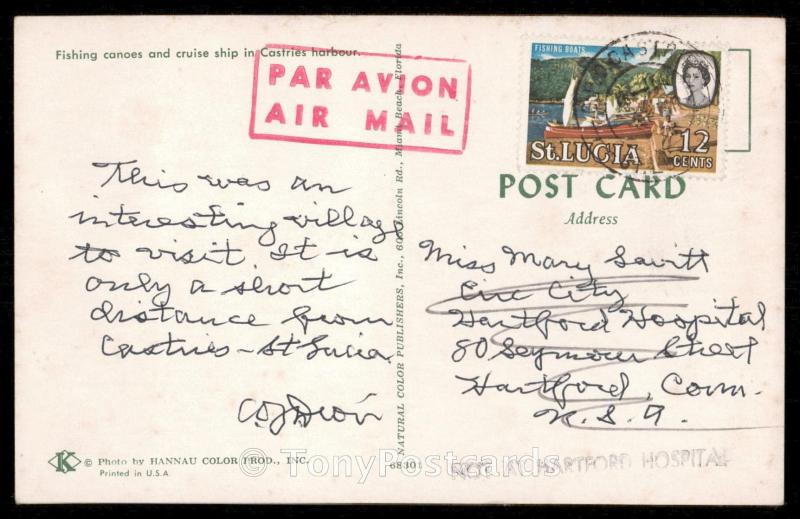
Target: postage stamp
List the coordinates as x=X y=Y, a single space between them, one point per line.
x=647 y=102
x=362 y=99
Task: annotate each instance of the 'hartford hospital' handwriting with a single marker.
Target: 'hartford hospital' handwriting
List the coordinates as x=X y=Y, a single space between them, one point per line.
x=611 y=351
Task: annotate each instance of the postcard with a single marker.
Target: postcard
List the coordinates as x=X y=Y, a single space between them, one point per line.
x=398 y=259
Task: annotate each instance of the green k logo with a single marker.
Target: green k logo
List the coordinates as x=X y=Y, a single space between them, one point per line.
x=65 y=461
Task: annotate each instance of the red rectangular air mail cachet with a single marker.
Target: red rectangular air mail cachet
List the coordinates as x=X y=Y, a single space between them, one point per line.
x=364 y=99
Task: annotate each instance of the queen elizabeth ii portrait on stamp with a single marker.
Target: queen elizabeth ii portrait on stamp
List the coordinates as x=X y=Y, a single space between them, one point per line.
x=696 y=79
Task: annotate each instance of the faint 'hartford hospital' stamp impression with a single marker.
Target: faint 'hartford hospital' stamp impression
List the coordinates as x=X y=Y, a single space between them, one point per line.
x=362 y=99
x=645 y=102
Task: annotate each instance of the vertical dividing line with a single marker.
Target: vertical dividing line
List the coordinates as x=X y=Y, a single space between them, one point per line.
x=749 y=99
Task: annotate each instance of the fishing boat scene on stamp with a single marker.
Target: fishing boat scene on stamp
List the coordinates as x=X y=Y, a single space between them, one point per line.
x=624 y=108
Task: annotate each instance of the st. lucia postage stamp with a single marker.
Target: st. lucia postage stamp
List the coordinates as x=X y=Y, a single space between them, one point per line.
x=647 y=102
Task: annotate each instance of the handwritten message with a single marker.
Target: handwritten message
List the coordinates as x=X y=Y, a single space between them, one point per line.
x=219 y=266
